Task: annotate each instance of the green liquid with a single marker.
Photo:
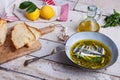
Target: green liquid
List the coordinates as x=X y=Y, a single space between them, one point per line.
x=88 y=64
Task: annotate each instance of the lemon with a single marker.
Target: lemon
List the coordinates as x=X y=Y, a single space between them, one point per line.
x=47 y=12
x=33 y=15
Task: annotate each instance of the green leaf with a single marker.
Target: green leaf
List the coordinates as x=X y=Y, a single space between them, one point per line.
x=31 y=8
x=115 y=12
x=25 y=4
x=87 y=58
x=97 y=59
x=92 y=59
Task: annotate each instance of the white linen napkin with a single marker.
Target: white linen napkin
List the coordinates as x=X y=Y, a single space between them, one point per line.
x=6 y=9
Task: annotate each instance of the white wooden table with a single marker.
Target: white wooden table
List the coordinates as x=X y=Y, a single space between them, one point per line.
x=45 y=69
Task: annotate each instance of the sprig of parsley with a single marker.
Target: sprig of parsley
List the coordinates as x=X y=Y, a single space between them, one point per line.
x=112 y=20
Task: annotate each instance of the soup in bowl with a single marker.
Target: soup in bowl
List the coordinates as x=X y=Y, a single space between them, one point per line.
x=91 y=50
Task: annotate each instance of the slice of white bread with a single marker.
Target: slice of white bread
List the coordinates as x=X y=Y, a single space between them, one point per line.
x=21 y=35
x=36 y=32
x=39 y=32
x=3 y=31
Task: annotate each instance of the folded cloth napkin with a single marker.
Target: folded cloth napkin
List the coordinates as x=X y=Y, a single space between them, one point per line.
x=50 y=2
x=6 y=10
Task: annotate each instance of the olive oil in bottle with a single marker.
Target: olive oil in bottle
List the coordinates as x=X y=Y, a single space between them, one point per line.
x=90 y=23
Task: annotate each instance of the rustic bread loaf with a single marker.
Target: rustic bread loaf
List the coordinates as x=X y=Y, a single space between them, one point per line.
x=21 y=35
x=3 y=31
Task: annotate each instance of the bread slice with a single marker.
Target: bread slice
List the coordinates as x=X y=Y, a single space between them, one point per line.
x=21 y=35
x=39 y=32
x=36 y=32
x=3 y=31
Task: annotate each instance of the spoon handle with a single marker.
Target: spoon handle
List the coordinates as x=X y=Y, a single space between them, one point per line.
x=34 y=59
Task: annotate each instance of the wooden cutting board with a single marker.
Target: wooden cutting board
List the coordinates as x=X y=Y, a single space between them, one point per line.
x=8 y=52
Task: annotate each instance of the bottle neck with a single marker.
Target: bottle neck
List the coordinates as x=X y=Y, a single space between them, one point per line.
x=91 y=11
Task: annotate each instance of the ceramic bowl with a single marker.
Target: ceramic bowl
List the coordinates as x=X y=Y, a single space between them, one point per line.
x=92 y=36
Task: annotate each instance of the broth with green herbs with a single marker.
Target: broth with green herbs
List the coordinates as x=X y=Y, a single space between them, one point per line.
x=88 y=61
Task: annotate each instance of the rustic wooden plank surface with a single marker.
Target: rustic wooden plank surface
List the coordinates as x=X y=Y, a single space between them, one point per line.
x=50 y=70
x=54 y=71
x=15 y=76
x=43 y=69
x=71 y=30
x=47 y=48
x=106 y=6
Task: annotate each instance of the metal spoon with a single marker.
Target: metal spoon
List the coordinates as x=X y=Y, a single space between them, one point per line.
x=37 y=58
x=58 y=48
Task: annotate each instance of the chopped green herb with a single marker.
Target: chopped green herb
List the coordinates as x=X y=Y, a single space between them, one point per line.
x=112 y=20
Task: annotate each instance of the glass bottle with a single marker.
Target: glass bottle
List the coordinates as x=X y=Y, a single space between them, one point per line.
x=90 y=23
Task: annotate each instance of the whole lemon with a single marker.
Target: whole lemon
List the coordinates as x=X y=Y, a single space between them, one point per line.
x=33 y=15
x=47 y=12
